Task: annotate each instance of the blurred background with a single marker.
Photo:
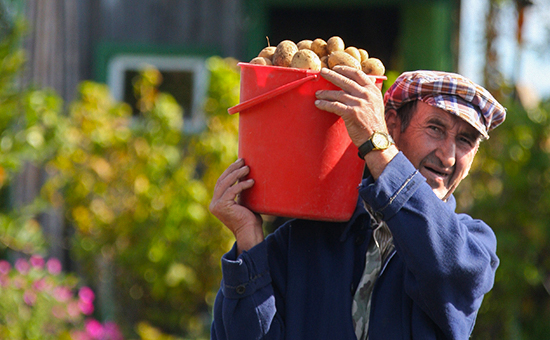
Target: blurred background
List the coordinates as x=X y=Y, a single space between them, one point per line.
x=114 y=129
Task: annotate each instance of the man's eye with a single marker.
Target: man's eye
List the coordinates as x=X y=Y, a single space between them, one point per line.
x=466 y=141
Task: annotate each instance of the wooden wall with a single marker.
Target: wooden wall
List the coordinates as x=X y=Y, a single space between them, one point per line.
x=53 y=62
x=65 y=34
x=206 y=24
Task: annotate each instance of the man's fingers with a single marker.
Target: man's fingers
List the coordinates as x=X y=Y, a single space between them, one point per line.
x=229 y=177
x=347 y=78
x=332 y=106
x=338 y=102
x=234 y=190
x=227 y=198
x=231 y=168
x=357 y=75
x=341 y=80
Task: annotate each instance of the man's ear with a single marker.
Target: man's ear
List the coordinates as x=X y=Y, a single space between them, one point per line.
x=393 y=123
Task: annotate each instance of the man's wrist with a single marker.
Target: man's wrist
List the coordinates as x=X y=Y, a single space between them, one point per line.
x=247 y=240
x=377 y=161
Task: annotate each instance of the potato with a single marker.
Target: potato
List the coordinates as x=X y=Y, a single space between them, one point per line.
x=324 y=61
x=335 y=44
x=342 y=58
x=328 y=53
x=364 y=54
x=267 y=52
x=284 y=52
x=306 y=59
x=304 y=44
x=261 y=61
x=373 y=66
x=354 y=52
x=319 y=46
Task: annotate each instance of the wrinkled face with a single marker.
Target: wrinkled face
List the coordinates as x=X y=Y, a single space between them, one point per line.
x=440 y=145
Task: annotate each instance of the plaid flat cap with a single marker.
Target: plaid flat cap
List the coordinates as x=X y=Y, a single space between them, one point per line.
x=451 y=92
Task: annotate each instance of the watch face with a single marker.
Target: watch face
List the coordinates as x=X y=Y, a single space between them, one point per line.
x=380 y=141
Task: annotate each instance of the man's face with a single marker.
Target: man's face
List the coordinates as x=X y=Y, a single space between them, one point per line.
x=440 y=145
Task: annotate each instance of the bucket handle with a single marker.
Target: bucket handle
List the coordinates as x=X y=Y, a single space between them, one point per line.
x=270 y=94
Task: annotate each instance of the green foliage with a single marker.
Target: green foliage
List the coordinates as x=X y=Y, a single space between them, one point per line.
x=137 y=193
x=37 y=300
x=509 y=188
x=135 y=190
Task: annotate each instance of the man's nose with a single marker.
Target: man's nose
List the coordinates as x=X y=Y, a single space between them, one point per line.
x=447 y=152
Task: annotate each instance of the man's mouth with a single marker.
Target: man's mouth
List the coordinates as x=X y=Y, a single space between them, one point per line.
x=437 y=174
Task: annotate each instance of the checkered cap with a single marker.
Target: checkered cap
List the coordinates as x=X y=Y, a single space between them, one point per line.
x=450 y=92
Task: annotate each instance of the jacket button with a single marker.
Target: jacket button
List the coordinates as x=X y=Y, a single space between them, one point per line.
x=240 y=289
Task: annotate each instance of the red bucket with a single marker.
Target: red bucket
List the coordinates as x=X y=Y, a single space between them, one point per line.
x=302 y=160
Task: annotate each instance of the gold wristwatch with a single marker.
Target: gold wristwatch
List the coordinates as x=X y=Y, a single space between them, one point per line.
x=378 y=141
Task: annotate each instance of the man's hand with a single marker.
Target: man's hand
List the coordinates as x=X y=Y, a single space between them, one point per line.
x=245 y=224
x=359 y=102
x=361 y=106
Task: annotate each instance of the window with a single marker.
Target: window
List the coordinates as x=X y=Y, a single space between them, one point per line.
x=184 y=77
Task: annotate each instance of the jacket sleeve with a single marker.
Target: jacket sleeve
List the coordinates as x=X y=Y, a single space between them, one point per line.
x=249 y=302
x=450 y=258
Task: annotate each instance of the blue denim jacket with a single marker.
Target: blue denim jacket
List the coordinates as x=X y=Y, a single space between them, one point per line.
x=299 y=283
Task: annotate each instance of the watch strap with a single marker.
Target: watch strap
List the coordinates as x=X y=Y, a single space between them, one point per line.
x=365 y=148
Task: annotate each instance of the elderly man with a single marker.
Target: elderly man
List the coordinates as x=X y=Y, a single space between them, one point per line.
x=406 y=265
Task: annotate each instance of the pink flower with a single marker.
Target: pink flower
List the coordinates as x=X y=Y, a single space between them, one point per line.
x=40 y=285
x=54 y=266
x=112 y=332
x=5 y=267
x=18 y=282
x=22 y=266
x=80 y=335
x=29 y=297
x=86 y=295
x=58 y=312
x=86 y=307
x=94 y=328
x=62 y=294
x=73 y=310
x=37 y=261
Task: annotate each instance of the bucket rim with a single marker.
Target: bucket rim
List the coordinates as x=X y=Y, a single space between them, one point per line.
x=297 y=70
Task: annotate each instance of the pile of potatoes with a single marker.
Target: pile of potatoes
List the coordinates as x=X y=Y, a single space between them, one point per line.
x=318 y=53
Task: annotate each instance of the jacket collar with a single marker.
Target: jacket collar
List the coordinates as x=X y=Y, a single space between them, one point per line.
x=360 y=216
x=356 y=221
